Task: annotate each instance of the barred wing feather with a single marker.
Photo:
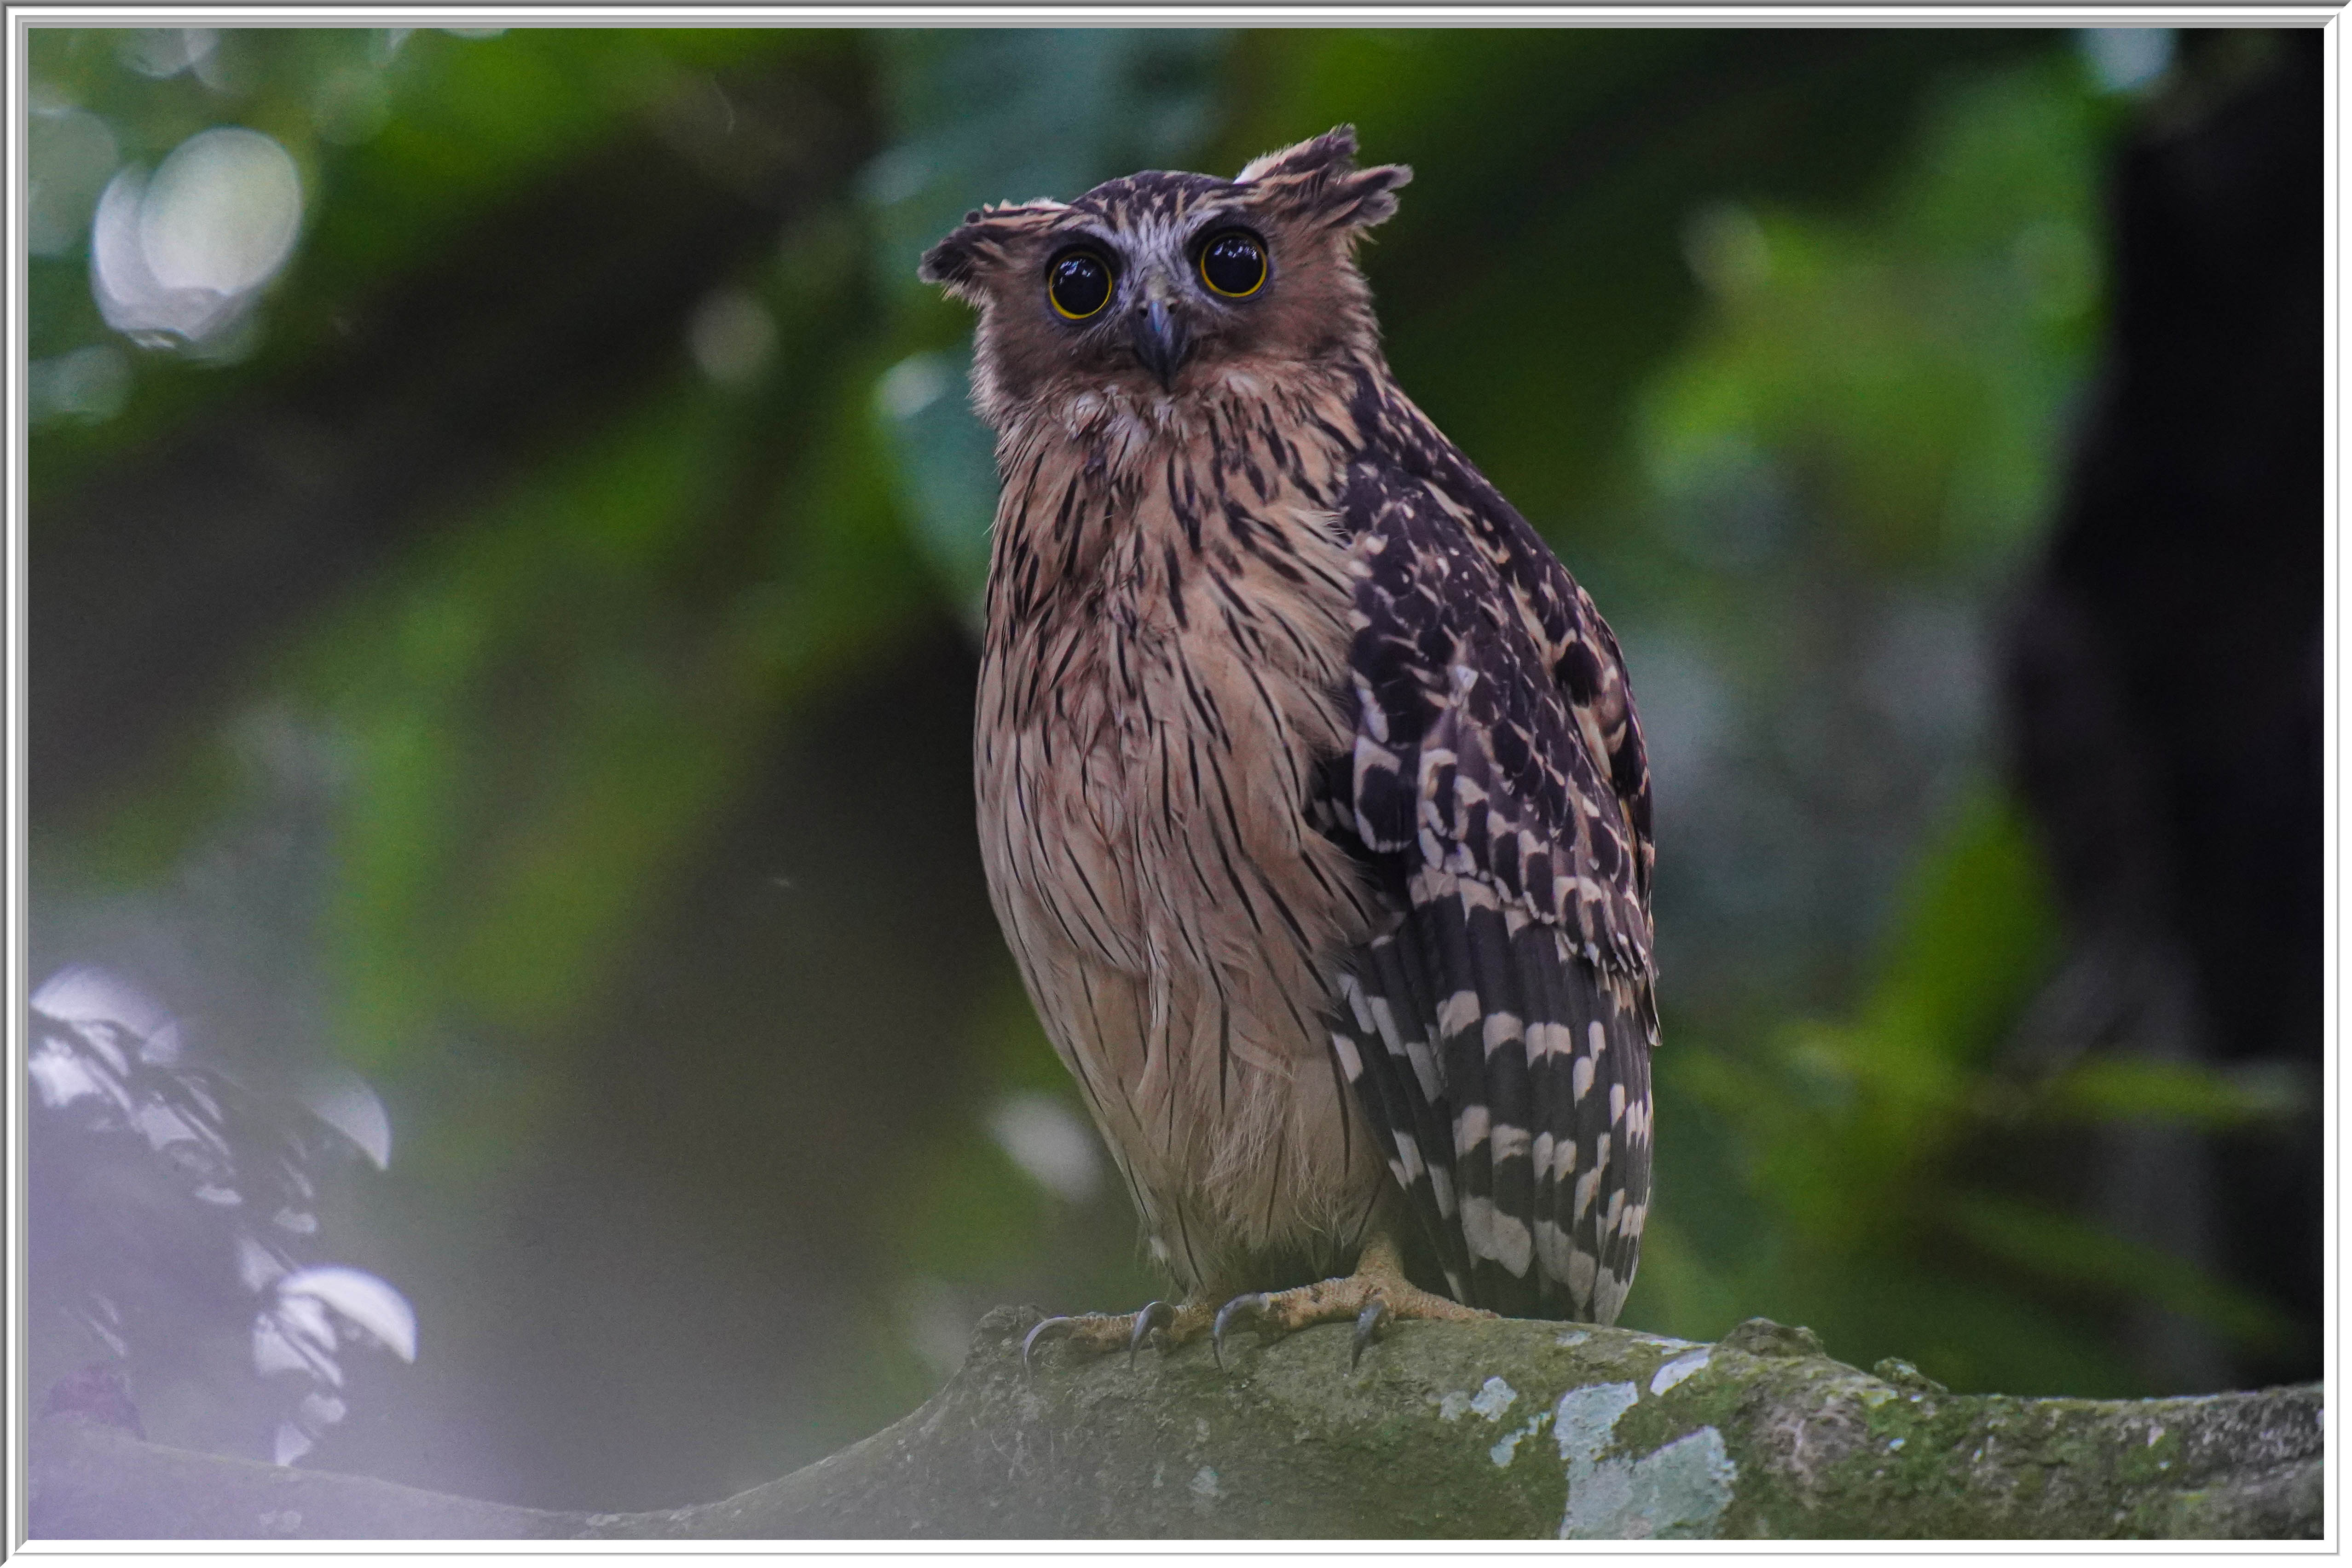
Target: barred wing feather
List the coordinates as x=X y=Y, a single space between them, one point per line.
x=1497 y=1035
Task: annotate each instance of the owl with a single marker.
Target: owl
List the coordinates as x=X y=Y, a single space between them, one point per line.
x=1312 y=794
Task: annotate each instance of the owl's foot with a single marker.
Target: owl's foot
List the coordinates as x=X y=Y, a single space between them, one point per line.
x=1099 y=1332
x=1375 y=1293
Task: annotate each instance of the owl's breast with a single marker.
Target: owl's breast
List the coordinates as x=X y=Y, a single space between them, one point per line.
x=1153 y=744
x=1165 y=671
x=1156 y=705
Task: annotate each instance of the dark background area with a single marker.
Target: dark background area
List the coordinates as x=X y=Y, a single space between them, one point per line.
x=513 y=642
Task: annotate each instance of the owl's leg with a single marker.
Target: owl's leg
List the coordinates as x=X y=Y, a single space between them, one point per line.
x=1375 y=1293
x=1176 y=1323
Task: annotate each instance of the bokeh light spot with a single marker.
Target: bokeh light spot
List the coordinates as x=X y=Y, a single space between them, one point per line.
x=2123 y=59
x=1046 y=1138
x=732 y=338
x=222 y=212
x=164 y=52
x=70 y=153
x=179 y=256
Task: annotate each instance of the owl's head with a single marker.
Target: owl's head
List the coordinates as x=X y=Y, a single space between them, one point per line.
x=1162 y=284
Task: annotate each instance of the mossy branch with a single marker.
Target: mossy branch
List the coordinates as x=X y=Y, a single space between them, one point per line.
x=1500 y=1429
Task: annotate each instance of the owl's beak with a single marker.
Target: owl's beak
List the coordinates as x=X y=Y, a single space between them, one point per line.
x=1161 y=341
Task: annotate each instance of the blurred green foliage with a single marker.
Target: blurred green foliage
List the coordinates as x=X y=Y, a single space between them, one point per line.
x=1777 y=334
x=1910 y=364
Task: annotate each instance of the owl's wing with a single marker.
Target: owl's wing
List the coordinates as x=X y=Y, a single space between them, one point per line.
x=1498 y=1035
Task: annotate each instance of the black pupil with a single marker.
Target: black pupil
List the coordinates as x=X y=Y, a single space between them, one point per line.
x=1233 y=264
x=1081 y=284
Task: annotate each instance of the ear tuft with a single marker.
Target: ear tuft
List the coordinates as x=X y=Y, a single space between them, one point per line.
x=1317 y=182
x=953 y=261
x=1368 y=197
x=1335 y=146
x=962 y=262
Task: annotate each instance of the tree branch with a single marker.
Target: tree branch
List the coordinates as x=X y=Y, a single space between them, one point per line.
x=1501 y=1430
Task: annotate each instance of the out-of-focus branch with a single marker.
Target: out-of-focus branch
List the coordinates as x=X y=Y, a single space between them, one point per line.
x=1501 y=1430
x=2191 y=874
x=158 y=574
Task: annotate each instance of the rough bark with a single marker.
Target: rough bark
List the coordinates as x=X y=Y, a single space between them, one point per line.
x=1499 y=1429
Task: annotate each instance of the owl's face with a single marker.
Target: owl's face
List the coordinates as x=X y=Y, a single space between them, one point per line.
x=1162 y=284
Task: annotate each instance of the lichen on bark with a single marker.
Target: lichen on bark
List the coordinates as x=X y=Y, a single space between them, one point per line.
x=1504 y=1430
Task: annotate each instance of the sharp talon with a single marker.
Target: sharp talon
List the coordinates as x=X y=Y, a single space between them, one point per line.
x=1237 y=1307
x=1052 y=1328
x=1157 y=1315
x=1367 y=1323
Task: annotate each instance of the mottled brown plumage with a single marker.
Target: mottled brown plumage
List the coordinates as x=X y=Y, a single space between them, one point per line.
x=1312 y=794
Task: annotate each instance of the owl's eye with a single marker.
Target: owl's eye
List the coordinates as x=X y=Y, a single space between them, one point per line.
x=1078 y=284
x=1233 y=264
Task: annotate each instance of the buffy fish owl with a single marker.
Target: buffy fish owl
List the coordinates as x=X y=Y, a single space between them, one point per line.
x=1311 y=795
